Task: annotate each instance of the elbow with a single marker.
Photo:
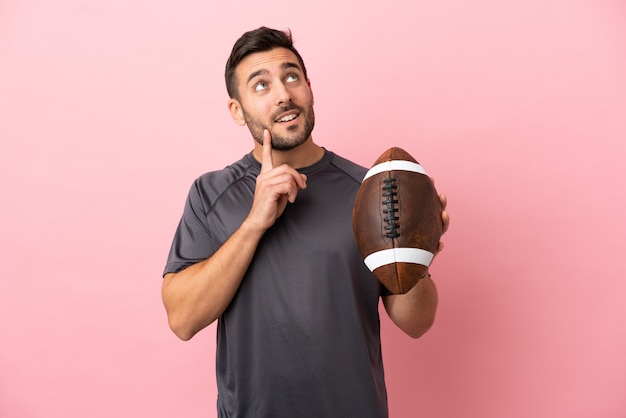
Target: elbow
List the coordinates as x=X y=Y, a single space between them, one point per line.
x=179 y=322
x=185 y=317
x=420 y=329
x=184 y=336
x=185 y=324
x=178 y=317
x=180 y=329
x=415 y=326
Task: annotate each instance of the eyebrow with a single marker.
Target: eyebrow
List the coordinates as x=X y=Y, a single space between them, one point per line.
x=263 y=71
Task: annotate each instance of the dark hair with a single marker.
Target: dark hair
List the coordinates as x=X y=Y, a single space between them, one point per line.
x=258 y=40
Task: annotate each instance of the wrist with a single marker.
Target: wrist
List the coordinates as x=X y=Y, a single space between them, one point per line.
x=253 y=229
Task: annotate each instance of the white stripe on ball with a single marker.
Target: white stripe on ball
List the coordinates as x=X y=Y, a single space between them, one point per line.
x=395 y=165
x=398 y=255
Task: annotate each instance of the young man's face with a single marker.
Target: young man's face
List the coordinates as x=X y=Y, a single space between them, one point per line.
x=274 y=95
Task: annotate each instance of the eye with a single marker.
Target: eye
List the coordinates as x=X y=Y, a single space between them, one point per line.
x=292 y=77
x=260 y=86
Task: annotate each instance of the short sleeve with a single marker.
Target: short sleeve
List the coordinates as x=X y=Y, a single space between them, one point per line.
x=192 y=241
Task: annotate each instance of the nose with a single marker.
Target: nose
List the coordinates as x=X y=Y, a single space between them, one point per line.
x=283 y=95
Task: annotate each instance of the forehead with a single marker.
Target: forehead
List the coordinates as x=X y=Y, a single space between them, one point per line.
x=266 y=61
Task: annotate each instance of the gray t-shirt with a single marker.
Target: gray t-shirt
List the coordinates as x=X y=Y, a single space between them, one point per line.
x=301 y=337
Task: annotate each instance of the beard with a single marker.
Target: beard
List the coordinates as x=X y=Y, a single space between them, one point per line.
x=295 y=135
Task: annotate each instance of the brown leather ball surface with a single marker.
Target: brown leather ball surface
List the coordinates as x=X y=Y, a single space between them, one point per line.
x=397 y=209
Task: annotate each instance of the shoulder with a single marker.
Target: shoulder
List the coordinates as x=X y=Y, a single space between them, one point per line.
x=350 y=168
x=210 y=185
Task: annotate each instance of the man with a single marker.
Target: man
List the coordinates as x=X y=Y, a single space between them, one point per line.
x=266 y=247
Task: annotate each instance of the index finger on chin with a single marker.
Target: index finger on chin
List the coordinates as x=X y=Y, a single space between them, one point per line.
x=267 y=163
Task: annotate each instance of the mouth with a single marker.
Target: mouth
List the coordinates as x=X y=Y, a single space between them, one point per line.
x=287 y=116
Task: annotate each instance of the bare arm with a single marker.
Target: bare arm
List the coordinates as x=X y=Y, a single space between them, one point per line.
x=414 y=312
x=198 y=295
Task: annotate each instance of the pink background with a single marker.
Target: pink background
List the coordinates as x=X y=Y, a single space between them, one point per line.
x=109 y=110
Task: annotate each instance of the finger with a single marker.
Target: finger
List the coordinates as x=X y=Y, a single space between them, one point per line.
x=298 y=178
x=445 y=221
x=444 y=201
x=266 y=164
x=294 y=182
x=445 y=218
x=301 y=181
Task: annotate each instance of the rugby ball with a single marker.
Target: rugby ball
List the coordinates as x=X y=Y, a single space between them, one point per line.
x=396 y=220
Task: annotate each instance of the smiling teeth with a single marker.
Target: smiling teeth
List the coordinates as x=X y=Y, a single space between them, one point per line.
x=287 y=118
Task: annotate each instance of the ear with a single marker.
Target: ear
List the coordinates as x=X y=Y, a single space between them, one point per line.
x=236 y=111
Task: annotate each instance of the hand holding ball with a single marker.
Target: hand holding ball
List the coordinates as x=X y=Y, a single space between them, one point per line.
x=397 y=220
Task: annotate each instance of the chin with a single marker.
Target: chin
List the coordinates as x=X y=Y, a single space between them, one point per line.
x=286 y=146
x=289 y=142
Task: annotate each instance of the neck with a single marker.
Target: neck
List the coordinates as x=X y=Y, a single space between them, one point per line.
x=301 y=156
